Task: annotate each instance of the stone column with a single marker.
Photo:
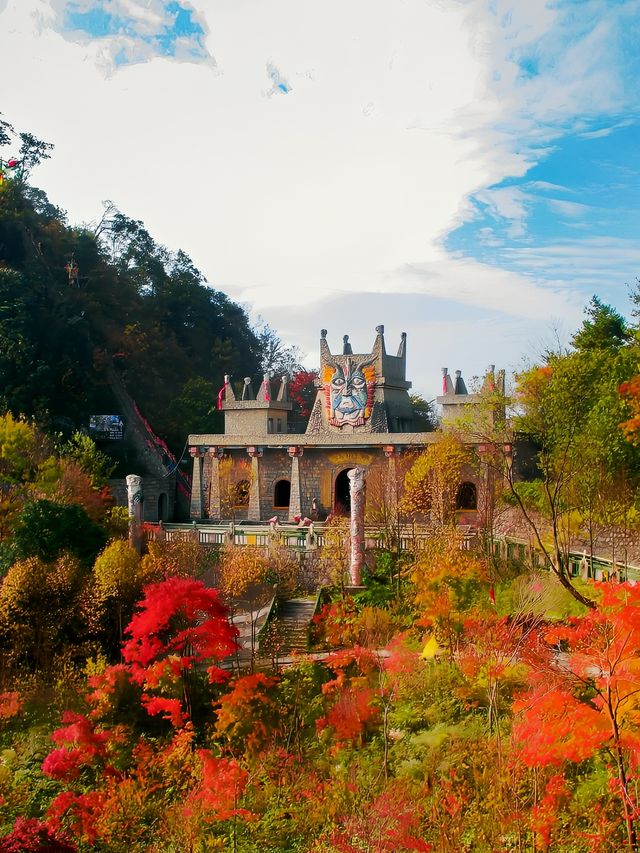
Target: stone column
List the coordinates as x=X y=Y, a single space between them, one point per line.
x=295 y=499
x=134 y=501
x=391 y=490
x=215 y=503
x=253 y=513
x=197 y=495
x=357 y=491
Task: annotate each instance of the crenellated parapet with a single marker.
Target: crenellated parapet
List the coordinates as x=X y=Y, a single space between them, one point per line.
x=455 y=397
x=254 y=414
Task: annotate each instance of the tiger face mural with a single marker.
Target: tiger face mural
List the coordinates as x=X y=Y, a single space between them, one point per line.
x=348 y=391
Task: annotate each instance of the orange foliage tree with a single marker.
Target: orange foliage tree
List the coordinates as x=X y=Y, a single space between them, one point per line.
x=586 y=700
x=247 y=716
x=447 y=582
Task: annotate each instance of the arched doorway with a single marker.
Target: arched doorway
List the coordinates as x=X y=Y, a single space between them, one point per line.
x=282 y=494
x=163 y=507
x=342 y=493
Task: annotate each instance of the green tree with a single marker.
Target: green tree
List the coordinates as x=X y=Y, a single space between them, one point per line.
x=137 y=301
x=602 y=329
x=276 y=358
x=46 y=529
x=96 y=464
x=194 y=410
x=571 y=410
x=424 y=418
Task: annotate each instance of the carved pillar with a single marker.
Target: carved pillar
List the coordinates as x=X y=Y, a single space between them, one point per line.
x=215 y=504
x=134 y=501
x=295 y=500
x=391 y=490
x=357 y=491
x=253 y=513
x=197 y=495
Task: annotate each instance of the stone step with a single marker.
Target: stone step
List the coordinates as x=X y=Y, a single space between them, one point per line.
x=293 y=622
x=301 y=613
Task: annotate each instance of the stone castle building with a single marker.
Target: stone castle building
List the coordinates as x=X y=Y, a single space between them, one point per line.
x=259 y=469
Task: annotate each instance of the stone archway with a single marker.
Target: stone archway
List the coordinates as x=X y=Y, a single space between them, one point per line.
x=342 y=493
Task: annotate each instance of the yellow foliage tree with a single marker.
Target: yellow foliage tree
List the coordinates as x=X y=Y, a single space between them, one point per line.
x=43 y=612
x=119 y=577
x=334 y=560
x=240 y=569
x=244 y=573
x=21 y=450
x=182 y=557
x=431 y=484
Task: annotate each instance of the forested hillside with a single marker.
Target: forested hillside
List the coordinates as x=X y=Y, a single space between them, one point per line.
x=73 y=299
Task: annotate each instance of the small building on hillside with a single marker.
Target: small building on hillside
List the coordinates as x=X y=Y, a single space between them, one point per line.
x=260 y=469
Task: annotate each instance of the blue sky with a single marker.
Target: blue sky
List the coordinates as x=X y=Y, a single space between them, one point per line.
x=464 y=171
x=177 y=32
x=570 y=215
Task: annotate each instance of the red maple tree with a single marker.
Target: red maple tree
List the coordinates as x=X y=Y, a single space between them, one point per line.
x=587 y=698
x=180 y=623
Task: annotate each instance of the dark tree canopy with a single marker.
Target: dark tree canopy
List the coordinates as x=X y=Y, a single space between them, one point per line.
x=46 y=529
x=134 y=304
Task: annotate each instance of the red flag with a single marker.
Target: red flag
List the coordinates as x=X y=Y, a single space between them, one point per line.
x=221 y=395
x=267 y=395
x=444 y=383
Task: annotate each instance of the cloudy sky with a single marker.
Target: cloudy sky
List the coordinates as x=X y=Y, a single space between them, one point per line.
x=465 y=171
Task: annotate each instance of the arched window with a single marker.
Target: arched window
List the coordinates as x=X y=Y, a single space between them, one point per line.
x=467 y=497
x=282 y=494
x=242 y=493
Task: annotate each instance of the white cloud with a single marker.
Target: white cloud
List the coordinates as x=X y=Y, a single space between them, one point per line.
x=507 y=203
x=397 y=114
x=572 y=209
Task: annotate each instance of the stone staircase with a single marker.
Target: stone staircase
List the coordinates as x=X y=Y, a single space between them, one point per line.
x=293 y=621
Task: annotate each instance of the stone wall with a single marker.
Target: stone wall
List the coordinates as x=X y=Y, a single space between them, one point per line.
x=318 y=470
x=152 y=489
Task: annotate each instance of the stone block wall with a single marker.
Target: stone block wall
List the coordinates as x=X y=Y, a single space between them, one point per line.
x=152 y=503
x=318 y=469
